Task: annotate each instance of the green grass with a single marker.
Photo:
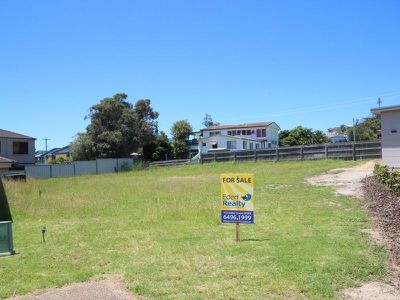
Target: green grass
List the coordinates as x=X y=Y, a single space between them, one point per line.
x=159 y=228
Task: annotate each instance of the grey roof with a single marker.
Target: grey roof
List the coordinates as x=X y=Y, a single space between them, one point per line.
x=48 y=152
x=239 y=126
x=385 y=108
x=62 y=150
x=13 y=135
x=6 y=160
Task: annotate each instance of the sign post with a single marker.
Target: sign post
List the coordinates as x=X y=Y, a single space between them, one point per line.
x=237 y=199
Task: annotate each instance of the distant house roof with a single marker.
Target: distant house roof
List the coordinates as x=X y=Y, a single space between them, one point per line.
x=39 y=153
x=239 y=126
x=13 y=135
x=4 y=160
x=63 y=150
x=379 y=110
x=50 y=152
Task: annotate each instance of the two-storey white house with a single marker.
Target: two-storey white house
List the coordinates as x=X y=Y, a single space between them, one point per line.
x=238 y=137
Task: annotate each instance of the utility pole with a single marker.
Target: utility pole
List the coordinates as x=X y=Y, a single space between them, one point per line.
x=379 y=102
x=45 y=140
x=355 y=122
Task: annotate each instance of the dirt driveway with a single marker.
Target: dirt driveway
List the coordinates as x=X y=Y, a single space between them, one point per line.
x=108 y=288
x=345 y=181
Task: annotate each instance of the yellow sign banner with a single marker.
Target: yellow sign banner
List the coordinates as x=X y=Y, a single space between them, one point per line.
x=237 y=198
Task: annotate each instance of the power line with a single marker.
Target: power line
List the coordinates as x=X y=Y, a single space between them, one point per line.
x=319 y=108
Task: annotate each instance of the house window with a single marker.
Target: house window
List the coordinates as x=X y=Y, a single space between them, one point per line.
x=233 y=133
x=257 y=145
x=263 y=132
x=243 y=132
x=20 y=147
x=258 y=132
x=251 y=146
x=263 y=145
x=229 y=132
x=214 y=133
x=248 y=132
x=204 y=144
x=231 y=145
x=244 y=145
x=238 y=132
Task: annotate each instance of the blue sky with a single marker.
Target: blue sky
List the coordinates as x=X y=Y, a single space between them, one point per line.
x=314 y=63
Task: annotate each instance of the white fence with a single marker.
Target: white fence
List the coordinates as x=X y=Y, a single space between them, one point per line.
x=98 y=166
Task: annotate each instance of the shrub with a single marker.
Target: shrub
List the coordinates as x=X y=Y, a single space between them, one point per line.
x=125 y=167
x=390 y=178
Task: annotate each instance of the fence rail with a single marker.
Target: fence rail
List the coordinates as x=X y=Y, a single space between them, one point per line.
x=354 y=151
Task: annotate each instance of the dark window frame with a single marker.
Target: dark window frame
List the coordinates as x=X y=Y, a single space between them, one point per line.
x=20 y=148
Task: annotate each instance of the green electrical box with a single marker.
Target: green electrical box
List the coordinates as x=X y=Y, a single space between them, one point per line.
x=6 y=238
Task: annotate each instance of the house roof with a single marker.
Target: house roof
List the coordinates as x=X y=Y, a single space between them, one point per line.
x=63 y=150
x=380 y=110
x=239 y=126
x=4 y=160
x=13 y=135
x=39 y=153
x=48 y=152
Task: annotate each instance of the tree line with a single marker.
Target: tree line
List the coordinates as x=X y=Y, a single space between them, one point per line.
x=118 y=129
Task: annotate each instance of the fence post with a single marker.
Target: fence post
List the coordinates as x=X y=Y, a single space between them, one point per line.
x=200 y=158
x=255 y=155
x=51 y=171
x=354 y=151
x=301 y=152
x=234 y=156
x=326 y=150
x=277 y=154
x=215 y=156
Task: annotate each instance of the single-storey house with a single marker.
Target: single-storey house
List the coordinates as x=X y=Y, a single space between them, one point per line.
x=238 y=137
x=17 y=147
x=390 y=134
x=44 y=157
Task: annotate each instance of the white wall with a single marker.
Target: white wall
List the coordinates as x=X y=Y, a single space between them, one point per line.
x=391 y=138
x=223 y=141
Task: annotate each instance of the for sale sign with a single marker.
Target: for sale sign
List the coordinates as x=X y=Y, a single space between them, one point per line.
x=237 y=199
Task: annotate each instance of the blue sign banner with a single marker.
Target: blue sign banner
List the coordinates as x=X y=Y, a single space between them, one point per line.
x=232 y=216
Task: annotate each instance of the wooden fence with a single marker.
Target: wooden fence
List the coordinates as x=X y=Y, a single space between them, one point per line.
x=174 y=162
x=350 y=151
x=354 y=151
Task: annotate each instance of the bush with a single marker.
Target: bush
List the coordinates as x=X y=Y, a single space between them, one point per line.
x=388 y=177
x=125 y=167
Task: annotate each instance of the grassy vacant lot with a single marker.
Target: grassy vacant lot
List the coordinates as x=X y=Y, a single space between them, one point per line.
x=160 y=230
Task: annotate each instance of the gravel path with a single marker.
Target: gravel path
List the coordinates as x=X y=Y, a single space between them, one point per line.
x=345 y=181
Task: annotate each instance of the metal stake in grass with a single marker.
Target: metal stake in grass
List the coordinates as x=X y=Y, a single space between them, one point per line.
x=43 y=233
x=237 y=232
